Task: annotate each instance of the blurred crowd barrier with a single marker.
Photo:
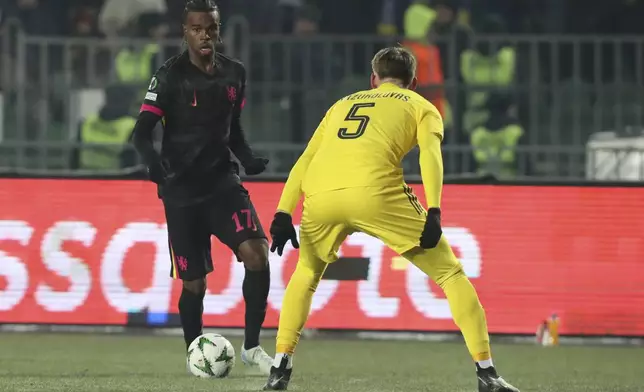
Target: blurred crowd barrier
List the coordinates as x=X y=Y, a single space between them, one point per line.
x=521 y=106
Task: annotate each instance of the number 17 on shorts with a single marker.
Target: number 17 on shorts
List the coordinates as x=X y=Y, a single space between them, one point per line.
x=243 y=220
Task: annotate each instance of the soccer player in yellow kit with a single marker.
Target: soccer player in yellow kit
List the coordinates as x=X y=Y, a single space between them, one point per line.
x=351 y=176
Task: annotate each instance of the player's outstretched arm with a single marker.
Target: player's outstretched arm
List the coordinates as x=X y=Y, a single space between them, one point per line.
x=142 y=137
x=430 y=135
x=238 y=143
x=282 y=229
x=293 y=188
x=142 y=140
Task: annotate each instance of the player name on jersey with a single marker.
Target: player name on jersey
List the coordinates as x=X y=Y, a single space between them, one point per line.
x=360 y=96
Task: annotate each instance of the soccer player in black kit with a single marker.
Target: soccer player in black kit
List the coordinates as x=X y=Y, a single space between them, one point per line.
x=199 y=94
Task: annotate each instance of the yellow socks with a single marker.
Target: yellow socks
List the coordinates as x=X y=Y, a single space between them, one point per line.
x=468 y=315
x=442 y=267
x=296 y=307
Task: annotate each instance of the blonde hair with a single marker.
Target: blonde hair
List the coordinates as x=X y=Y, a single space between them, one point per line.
x=395 y=62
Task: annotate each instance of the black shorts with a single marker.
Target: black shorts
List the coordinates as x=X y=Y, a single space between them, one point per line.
x=230 y=216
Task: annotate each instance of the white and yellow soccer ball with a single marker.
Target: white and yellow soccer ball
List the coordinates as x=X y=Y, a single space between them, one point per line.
x=211 y=356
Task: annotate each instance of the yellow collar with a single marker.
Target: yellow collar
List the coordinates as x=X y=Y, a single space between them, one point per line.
x=389 y=86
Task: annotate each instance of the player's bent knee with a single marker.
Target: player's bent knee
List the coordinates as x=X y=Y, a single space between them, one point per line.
x=197 y=287
x=440 y=265
x=254 y=254
x=451 y=275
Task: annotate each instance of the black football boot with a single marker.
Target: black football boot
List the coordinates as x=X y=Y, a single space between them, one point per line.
x=279 y=377
x=489 y=381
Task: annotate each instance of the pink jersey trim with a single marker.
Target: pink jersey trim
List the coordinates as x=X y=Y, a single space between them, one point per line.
x=153 y=109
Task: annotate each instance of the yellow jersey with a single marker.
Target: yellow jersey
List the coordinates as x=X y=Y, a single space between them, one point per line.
x=362 y=141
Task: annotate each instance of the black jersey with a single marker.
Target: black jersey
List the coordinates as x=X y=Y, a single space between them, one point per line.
x=201 y=121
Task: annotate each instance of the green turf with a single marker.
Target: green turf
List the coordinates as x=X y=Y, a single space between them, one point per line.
x=67 y=362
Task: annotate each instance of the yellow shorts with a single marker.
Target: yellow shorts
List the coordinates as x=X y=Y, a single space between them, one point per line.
x=391 y=214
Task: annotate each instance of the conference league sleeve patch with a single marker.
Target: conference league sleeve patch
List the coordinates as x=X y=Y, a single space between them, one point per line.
x=154 y=84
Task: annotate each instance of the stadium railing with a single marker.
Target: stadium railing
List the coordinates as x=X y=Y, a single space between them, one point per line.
x=580 y=99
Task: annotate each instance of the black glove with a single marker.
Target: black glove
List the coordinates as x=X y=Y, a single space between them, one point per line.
x=255 y=165
x=432 y=231
x=158 y=173
x=282 y=230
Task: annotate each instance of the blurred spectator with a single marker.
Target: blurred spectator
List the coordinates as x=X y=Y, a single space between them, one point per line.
x=174 y=14
x=464 y=15
x=495 y=144
x=307 y=21
x=117 y=15
x=452 y=37
x=111 y=127
x=38 y=17
x=288 y=10
x=489 y=66
x=307 y=67
x=43 y=18
x=388 y=22
x=418 y=22
x=137 y=63
x=84 y=24
x=3 y=11
x=419 y=18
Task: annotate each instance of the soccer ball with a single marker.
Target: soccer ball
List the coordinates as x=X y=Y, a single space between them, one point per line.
x=211 y=356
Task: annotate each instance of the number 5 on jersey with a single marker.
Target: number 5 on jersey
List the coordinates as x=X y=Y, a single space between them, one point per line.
x=363 y=121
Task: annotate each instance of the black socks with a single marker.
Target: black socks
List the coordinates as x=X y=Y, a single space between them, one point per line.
x=255 y=288
x=191 y=312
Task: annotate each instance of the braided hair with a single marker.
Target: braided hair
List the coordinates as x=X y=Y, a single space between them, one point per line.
x=199 y=6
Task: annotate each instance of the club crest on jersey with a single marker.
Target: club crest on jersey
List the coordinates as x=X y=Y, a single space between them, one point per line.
x=232 y=93
x=183 y=263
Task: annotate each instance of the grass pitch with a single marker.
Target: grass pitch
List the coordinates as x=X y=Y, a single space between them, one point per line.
x=89 y=363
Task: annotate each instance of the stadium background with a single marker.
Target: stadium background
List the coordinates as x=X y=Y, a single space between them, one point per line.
x=546 y=223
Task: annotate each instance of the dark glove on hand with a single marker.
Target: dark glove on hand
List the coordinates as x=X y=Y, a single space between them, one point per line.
x=158 y=173
x=255 y=165
x=282 y=230
x=432 y=231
